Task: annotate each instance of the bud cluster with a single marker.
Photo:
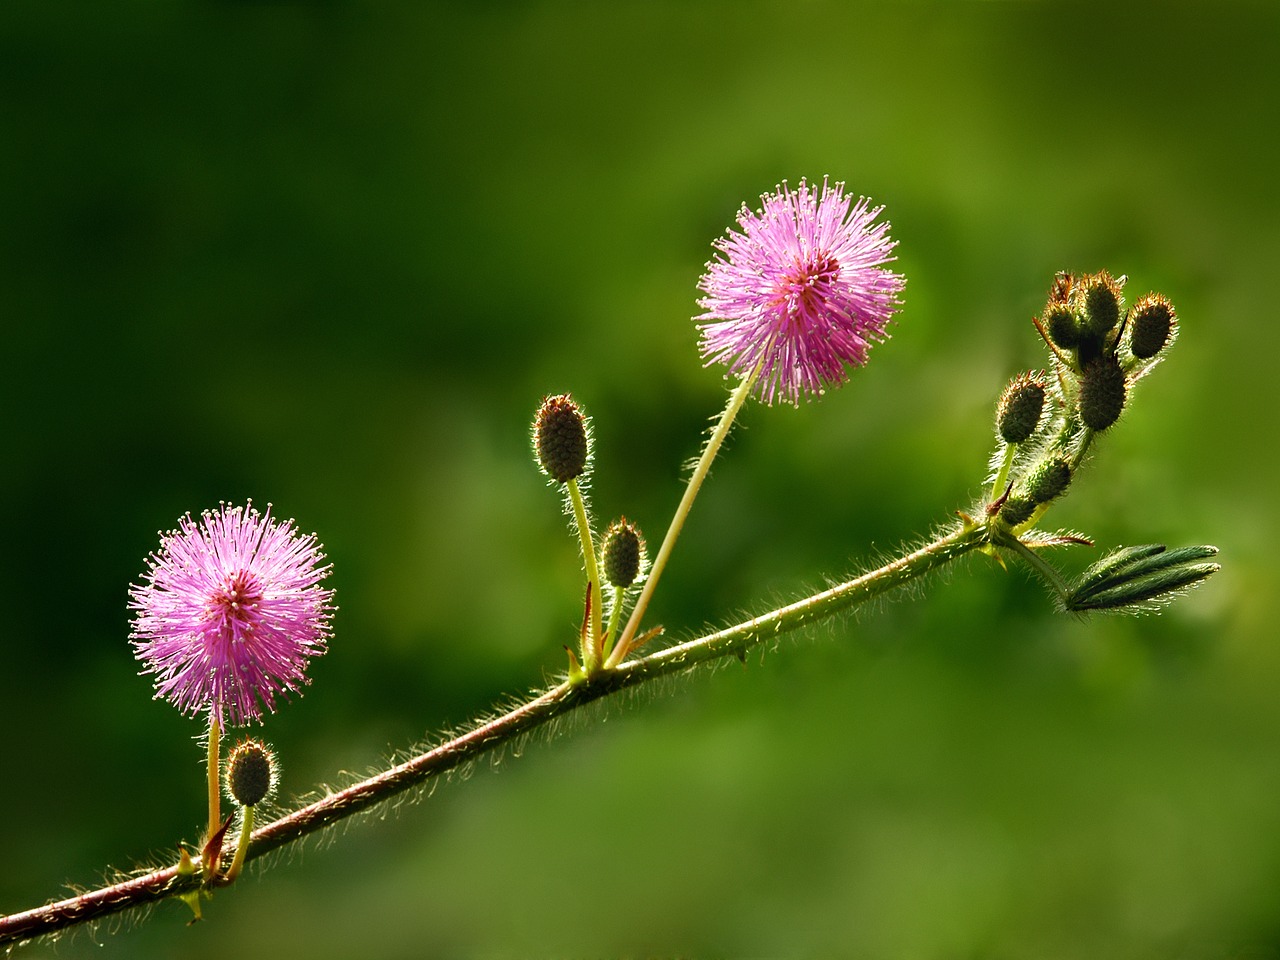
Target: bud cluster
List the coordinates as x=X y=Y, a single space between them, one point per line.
x=1045 y=423
x=1101 y=349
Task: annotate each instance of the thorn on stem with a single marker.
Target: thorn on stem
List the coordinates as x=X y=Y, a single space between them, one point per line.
x=994 y=507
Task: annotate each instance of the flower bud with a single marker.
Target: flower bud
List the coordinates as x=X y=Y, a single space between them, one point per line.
x=1061 y=325
x=1102 y=393
x=1016 y=510
x=624 y=553
x=1060 y=292
x=1020 y=408
x=560 y=438
x=1151 y=323
x=251 y=772
x=1048 y=480
x=1100 y=300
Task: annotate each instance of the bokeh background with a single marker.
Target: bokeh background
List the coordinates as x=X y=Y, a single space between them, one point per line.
x=331 y=256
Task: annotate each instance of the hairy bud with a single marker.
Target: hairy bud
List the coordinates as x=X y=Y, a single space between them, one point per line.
x=251 y=772
x=1100 y=300
x=624 y=553
x=1061 y=325
x=1060 y=292
x=1151 y=324
x=1021 y=407
x=1016 y=510
x=1102 y=393
x=1048 y=480
x=560 y=438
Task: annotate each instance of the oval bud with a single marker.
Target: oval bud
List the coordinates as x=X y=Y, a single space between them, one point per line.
x=251 y=772
x=1151 y=324
x=1021 y=407
x=1016 y=510
x=624 y=553
x=1048 y=480
x=1102 y=393
x=560 y=438
x=1061 y=325
x=1100 y=302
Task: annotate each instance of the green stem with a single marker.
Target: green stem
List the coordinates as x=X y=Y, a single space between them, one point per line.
x=736 y=400
x=214 y=771
x=615 y=618
x=591 y=642
x=736 y=640
x=1002 y=475
x=1038 y=563
x=242 y=845
x=1086 y=440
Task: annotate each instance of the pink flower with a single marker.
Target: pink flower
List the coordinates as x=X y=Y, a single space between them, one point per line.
x=230 y=613
x=801 y=292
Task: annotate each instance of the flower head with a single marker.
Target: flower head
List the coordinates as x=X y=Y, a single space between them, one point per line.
x=230 y=612
x=800 y=293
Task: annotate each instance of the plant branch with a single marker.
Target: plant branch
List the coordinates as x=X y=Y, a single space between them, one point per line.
x=486 y=736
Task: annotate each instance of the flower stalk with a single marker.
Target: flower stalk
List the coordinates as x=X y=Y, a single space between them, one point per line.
x=591 y=636
x=215 y=787
x=718 y=434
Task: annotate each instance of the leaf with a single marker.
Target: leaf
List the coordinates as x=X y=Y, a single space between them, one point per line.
x=1141 y=578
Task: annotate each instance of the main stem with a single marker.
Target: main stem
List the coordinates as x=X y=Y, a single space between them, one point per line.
x=561 y=699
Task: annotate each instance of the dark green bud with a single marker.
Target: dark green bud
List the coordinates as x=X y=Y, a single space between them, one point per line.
x=560 y=438
x=1048 y=480
x=1151 y=324
x=1061 y=325
x=624 y=553
x=1100 y=302
x=251 y=772
x=1016 y=510
x=1102 y=393
x=1020 y=408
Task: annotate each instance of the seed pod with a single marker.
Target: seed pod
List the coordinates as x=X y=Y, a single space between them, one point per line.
x=1048 y=480
x=1021 y=407
x=1151 y=324
x=1102 y=393
x=251 y=772
x=560 y=438
x=1100 y=296
x=624 y=553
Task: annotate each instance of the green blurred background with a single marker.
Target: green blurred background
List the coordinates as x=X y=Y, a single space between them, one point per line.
x=331 y=256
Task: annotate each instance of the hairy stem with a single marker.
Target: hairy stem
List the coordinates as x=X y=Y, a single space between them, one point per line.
x=486 y=736
x=243 y=845
x=736 y=399
x=591 y=639
x=214 y=785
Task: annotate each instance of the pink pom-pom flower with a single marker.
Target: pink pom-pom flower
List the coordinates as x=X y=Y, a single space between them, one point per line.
x=229 y=613
x=801 y=292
